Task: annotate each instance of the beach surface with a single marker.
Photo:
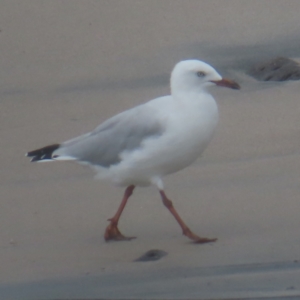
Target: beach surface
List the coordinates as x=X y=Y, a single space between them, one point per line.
x=66 y=66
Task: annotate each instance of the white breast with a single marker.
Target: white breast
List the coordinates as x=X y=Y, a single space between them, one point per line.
x=189 y=128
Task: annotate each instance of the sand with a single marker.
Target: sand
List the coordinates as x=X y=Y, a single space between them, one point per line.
x=67 y=66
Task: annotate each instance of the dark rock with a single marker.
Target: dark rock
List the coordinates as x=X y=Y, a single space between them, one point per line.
x=278 y=69
x=152 y=255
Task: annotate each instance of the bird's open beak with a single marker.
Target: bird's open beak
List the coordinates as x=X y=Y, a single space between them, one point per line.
x=227 y=83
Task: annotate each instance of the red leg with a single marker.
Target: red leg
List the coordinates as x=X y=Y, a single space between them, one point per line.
x=185 y=230
x=112 y=231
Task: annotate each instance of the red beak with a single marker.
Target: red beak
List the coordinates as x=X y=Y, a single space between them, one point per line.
x=227 y=83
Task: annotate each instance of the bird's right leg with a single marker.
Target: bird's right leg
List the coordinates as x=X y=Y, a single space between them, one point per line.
x=185 y=229
x=112 y=231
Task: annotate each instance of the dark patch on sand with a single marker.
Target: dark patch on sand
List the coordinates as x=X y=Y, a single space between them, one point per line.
x=277 y=69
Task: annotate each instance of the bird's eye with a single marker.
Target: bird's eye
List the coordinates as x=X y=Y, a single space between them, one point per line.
x=200 y=74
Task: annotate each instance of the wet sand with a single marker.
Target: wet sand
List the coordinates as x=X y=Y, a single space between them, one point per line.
x=66 y=67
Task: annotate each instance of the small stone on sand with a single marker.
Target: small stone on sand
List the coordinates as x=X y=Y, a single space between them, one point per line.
x=152 y=255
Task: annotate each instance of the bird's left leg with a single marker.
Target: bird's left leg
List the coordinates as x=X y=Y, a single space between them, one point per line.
x=112 y=231
x=185 y=230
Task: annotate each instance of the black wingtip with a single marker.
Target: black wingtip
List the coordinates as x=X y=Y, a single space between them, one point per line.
x=42 y=153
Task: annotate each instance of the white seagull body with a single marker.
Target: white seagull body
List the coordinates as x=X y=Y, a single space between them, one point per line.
x=138 y=147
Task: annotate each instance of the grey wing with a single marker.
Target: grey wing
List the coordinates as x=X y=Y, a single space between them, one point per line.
x=123 y=132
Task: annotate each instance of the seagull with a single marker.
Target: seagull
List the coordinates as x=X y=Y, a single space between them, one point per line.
x=141 y=145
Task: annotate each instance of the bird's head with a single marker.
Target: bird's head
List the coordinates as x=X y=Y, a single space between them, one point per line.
x=197 y=75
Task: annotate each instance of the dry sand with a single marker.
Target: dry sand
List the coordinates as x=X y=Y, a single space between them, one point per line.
x=65 y=67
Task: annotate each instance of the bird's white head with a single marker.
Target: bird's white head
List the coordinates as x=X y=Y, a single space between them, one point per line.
x=196 y=75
